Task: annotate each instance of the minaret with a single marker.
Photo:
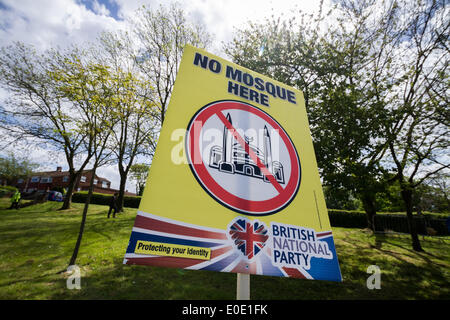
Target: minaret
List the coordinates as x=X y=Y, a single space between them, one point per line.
x=226 y=163
x=227 y=142
x=267 y=150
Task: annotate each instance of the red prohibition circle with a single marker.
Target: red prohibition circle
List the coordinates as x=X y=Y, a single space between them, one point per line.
x=233 y=202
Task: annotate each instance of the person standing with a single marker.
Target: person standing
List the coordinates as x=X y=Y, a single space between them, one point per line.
x=447 y=222
x=15 y=200
x=113 y=205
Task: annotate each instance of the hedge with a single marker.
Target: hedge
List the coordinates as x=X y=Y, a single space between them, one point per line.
x=387 y=222
x=104 y=199
x=338 y=218
x=347 y=219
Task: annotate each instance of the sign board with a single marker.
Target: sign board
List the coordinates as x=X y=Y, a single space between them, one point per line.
x=234 y=184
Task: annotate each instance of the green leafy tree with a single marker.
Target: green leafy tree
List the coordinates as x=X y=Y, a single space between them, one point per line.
x=37 y=112
x=89 y=84
x=340 y=198
x=419 y=129
x=375 y=83
x=145 y=62
x=326 y=63
x=430 y=198
x=139 y=173
x=390 y=199
x=440 y=190
x=137 y=128
x=13 y=168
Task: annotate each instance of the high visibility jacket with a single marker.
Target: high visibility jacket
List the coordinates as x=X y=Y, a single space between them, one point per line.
x=15 y=197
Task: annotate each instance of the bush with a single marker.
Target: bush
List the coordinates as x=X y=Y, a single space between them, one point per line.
x=104 y=199
x=9 y=188
x=7 y=191
x=385 y=222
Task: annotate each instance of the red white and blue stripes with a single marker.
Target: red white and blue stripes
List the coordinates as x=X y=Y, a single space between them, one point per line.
x=225 y=255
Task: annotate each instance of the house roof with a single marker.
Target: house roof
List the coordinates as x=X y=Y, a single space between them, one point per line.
x=63 y=173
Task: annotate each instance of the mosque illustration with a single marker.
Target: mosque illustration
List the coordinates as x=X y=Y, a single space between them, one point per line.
x=232 y=158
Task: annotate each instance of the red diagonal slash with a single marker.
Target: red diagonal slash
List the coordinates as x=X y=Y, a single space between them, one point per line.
x=250 y=152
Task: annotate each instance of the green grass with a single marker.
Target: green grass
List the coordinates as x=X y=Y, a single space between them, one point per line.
x=36 y=244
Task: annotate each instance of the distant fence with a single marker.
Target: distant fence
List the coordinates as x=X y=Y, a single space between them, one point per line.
x=389 y=222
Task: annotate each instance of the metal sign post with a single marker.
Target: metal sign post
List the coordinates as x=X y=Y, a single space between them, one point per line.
x=243 y=286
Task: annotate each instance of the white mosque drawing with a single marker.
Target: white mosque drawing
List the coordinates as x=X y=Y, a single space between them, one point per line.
x=232 y=158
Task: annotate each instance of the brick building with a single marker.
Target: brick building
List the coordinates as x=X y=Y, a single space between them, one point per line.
x=43 y=181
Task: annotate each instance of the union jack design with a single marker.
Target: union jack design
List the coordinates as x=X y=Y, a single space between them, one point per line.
x=250 y=238
x=226 y=255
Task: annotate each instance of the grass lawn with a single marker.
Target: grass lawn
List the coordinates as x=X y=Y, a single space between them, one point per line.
x=36 y=244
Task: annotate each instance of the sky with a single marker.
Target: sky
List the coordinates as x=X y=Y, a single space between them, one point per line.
x=51 y=23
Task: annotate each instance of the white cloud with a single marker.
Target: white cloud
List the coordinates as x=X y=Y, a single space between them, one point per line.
x=100 y=9
x=49 y=23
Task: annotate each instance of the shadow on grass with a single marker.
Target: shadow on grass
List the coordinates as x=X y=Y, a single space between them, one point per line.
x=142 y=282
x=405 y=273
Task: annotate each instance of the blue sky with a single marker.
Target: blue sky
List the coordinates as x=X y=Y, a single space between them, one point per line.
x=111 y=7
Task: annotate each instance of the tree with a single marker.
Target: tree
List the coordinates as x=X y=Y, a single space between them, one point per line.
x=145 y=62
x=13 y=168
x=340 y=198
x=375 y=84
x=440 y=184
x=160 y=37
x=89 y=85
x=407 y=78
x=390 y=199
x=328 y=65
x=419 y=128
x=36 y=112
x=139 y=173
x=136 y=130
x=431 y=197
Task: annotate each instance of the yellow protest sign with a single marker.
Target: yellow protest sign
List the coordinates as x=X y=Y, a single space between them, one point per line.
x=235 y=173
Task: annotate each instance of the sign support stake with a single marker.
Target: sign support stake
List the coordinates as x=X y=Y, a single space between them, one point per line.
x=243 y=286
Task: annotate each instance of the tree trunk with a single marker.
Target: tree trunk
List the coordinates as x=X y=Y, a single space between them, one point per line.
x=141 y=189
x=70 y=188
x=121 y=196
x=407 y=198
x=83 y=219
x=368 y=201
